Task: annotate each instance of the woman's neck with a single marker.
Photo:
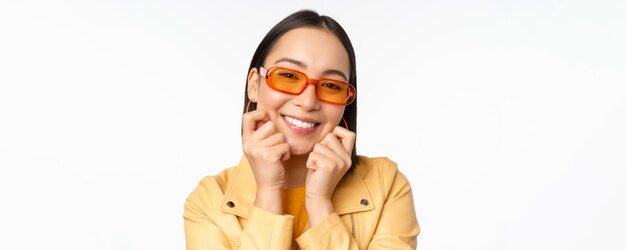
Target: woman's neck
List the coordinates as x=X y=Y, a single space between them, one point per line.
x=295 y=170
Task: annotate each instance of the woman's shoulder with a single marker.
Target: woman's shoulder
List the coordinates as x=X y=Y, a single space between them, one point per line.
x=375 y=166
x=380 y=171
x=219 y=181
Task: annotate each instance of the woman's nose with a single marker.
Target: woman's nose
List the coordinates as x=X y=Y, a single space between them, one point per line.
x=308 y=99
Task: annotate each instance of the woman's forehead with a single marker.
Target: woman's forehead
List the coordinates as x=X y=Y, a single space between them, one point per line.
x=315 y=49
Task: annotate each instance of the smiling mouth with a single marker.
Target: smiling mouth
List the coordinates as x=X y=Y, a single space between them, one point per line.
x=298 y=123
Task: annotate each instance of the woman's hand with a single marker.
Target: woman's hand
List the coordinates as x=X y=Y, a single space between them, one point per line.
x=329 y=161
x=265 y=148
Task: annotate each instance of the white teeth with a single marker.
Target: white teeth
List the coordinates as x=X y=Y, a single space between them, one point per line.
x=298 y=123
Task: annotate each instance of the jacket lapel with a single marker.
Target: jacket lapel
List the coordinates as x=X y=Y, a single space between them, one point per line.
x=351 y=194
x=241 y=191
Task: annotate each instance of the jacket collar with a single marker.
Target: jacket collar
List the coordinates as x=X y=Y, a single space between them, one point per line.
x=350 y=195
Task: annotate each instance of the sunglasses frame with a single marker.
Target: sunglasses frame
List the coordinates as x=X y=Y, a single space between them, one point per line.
x=266 y=73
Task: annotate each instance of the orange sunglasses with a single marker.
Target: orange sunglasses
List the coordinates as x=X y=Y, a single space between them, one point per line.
x=294 y=82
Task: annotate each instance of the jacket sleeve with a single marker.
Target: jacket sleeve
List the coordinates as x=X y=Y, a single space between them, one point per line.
x=397 y=227
x=328 y=234
x=264 y=230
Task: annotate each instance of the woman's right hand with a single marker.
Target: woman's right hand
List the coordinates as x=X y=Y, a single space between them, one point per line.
x=265 y=148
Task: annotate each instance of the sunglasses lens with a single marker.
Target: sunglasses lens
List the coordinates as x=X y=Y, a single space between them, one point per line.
x=287 y=80
x=333 y=91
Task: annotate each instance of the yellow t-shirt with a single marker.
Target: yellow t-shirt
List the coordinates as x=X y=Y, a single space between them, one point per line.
x=293 y=204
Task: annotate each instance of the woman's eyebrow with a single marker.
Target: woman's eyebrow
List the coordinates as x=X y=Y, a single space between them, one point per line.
x=335 y=72
x=303 y=65
x=289 y=60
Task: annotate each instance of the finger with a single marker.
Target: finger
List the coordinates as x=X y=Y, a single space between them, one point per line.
x=332 y=142
x=280 y=152
x=346 y=137
x=328 y=157
x=272 y=140
x=263 y=132
x=250 y=121
x=314 y=160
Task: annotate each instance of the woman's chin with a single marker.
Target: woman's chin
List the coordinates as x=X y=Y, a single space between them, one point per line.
x=299 y=149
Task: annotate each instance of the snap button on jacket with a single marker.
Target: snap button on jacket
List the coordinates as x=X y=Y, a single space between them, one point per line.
x=373 y=210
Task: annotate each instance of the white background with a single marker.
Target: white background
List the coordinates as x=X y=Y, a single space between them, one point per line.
x=507 y=117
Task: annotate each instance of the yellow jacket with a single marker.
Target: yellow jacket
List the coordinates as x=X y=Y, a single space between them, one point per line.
x=373 y=210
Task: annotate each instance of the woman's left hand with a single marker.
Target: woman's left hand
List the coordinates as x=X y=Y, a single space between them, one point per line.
x=327 y=163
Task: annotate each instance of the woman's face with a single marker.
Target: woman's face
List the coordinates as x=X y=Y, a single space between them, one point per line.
x=319 y=54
